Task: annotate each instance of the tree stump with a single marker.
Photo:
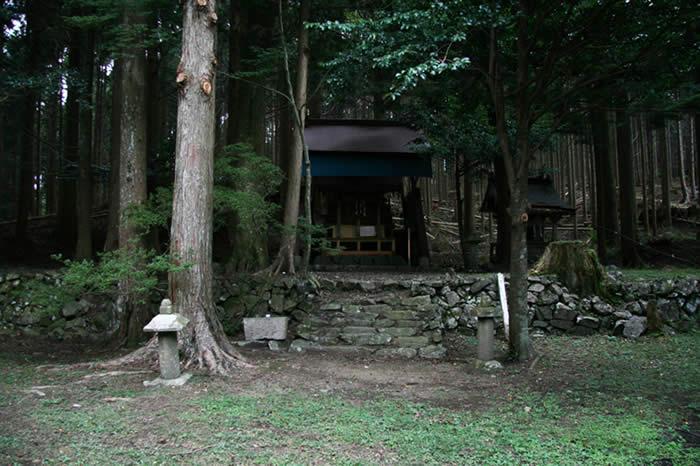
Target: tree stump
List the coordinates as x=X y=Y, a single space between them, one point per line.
x=576 y=265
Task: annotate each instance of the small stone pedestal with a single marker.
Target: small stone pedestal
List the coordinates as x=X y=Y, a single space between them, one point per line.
x=485 y=327
x=166 y=325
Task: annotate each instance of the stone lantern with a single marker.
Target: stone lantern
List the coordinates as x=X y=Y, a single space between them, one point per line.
x=167 y=325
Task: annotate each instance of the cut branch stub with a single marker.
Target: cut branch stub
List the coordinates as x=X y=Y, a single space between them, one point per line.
x=213 y=18
x=206 y=86
x=181 y=78
x=202 y=3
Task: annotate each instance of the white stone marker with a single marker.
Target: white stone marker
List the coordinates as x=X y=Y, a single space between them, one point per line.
x=166 y=325
x=265 y=328
x=485 y=326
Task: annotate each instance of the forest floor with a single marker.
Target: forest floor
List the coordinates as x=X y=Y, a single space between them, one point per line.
x=595 y=400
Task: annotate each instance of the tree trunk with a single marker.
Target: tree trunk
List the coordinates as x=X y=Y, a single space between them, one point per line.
x=681 y=163
x=83 y=247
x=203 y=340
x=652 y=179
x=112 y=240
x=664 y=171
x=67 y=186
x=517 y=291
x=29 y=136
x=133 y=146
x=628 y=198
x=644 y=152
x=605 y=192
x=503 y=224
x=291 y=205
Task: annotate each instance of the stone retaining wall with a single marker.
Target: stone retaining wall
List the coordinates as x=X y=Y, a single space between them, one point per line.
x=405 y=317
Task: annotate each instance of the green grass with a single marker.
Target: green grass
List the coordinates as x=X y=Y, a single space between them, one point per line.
x=598 y=400
x=660 y=273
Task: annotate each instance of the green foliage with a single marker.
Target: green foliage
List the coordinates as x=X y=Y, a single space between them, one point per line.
x=140 y=266
x=155 y=213
x=48 y=296
x=243 y=184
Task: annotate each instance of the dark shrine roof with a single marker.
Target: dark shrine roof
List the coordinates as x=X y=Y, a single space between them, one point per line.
x=541 y=196
x=364 y=148
x=360 y=136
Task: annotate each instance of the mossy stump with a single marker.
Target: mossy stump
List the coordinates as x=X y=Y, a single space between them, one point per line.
x=576 y=265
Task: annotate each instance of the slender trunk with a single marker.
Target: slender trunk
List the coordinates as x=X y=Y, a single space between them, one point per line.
x=644 y=149
x=681 y=163
x=112 y=240
x=628 y=199
x=133 y=147
x=604 y=183
x=664 y=171
x=503 y=223
x=29 y=136
x=203 y=340
x=291 y=206
x=83 y=247
x=652 y=178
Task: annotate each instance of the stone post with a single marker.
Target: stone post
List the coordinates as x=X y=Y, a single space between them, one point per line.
x=485 y=327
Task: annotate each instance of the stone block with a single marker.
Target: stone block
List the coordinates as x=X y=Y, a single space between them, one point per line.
x=479 y=286
x=432 y=352
x=265 y=328
x=412 y=342
x=331 y=307
x=358 y=330
x=564 y=312
x=416 y=301
x=399 y=315
x=376 y=308
x=373 y=339
x=399 y=331
x=587 y=321
x=397 y=352
x=410 y=323
x=383 y=323
x=536 y=288
x=562 y=324
x=543 y=312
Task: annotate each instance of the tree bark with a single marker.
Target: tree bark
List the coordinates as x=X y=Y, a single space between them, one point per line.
x=606 y=205
x=683 y=174
x=83 y=247
x=133 y=147
x=29 y=104
x=203 y=340
x=664 y=170
x=296 y=155
x=112 y=240
x=628 y=199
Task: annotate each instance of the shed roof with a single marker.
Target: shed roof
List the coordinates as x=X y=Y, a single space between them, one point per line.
x=365 y=136
x=541 y=195
x=365 y=148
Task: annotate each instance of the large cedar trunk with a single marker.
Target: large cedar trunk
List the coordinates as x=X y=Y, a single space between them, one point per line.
x=132 y=180
x=628 y=199
x=112 y=240
x=203 y=340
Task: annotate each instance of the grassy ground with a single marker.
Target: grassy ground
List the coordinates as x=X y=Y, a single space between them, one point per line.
x=596 y=400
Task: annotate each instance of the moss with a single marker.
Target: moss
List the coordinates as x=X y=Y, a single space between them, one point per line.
x=576 y=265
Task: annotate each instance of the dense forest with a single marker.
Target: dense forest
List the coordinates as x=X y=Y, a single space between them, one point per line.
x=169 y=136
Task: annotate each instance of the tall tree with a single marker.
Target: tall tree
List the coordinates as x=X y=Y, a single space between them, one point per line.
x=628 y=198
x=83 y=247
x=203 y=340
x=132 y=172
x=285 y=259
